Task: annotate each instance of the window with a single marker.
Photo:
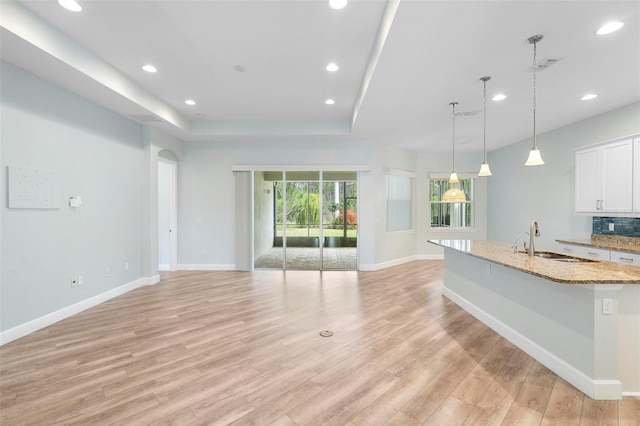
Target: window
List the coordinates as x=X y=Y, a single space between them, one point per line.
x=450 y=215
x=399 y=202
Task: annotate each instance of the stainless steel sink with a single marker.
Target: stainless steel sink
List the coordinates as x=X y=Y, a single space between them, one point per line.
x=561 y=257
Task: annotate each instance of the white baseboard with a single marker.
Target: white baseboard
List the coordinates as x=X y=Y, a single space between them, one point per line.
x=595 y=389
x=151 y=280
x=164 y=267
x=206 y=267
x=636 y=394
x=384 y=265
x=39 y=323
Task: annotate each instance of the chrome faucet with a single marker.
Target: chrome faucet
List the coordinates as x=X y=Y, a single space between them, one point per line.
x=533 y=231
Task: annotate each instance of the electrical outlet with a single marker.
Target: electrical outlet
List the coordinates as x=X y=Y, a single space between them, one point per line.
x=489 y=268
x=74 y=282
x=108 y=271
x=80 y=280
x=612 y=227
x=126 y=266
x=607 y=306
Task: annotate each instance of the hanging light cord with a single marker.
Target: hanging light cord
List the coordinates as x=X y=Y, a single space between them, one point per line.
x=453 y=133
x=535 y=145
x=484 y=107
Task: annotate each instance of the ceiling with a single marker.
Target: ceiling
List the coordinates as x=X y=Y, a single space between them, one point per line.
x=401 y=64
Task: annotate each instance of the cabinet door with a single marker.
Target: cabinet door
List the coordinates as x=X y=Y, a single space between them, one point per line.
x=636 y=175
x=617 y=177
x=588 y=180
x=584 y=251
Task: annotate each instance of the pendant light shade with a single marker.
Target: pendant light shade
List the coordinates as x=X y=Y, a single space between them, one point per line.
x=484 y=170
x=484 y=167
x=453 y=195
x=535 y=159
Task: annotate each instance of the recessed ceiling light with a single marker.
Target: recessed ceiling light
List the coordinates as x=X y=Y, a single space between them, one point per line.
x=71 y=5
x=329 y=102
x=499 y=97
x=149 y=68
x=239 y=68
x=190 y=102
x=200 y=115
x=338 y=4
x=609 y=27
x=332 y=67
x=588 y=97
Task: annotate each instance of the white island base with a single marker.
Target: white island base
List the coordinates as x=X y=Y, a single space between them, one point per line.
x=560 y=325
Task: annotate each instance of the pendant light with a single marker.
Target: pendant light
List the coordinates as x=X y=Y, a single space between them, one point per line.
x=453 y=195
x=484 y=168
x=535 y=159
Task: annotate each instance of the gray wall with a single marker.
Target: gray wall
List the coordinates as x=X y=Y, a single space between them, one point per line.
x=466 y=163
x=518 y=194
x=206 y=189
x=390 y=246
x=97 y=155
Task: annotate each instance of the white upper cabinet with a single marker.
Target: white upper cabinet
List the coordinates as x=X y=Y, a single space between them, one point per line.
x=636 y=175
x=604 y=178
x=588 y=170
x=617 y=177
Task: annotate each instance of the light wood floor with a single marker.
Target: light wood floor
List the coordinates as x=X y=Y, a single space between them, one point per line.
x=244 y=348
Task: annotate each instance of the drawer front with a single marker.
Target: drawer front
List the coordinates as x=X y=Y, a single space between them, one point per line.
x=588 y=252
x=626 y=258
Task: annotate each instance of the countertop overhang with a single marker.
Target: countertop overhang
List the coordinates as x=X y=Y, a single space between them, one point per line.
x=594 y=272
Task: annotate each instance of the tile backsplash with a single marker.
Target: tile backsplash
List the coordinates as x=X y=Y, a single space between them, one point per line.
x=622 y=226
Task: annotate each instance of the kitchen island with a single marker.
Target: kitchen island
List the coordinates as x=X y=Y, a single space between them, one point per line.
x=579 y=319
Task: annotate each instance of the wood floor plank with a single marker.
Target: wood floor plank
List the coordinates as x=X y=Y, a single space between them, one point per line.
x=349 y=406
x=599 y=413
x=228 y=347
x=384 y=408
x=565 y=405
x=271 y=407
x=451 y=412
x=401 y=419
x=629 y=411
x=522 y=416
x=537 y=387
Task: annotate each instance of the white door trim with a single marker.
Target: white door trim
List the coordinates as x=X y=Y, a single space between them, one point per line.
x=173 y=213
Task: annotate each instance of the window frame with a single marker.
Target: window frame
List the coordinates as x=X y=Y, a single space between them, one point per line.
x=471 y=202
x=389 y=172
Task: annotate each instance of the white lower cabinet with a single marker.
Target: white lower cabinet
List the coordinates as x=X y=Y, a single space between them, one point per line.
x=588 y=252
x=624 y=257
x=601 y=254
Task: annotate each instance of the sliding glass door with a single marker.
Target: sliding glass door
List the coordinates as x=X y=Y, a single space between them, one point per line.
x=313 y=217
x=340 y=220
x=300 y=224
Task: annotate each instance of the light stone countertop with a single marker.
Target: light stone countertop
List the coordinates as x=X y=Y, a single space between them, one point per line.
x=594 y=272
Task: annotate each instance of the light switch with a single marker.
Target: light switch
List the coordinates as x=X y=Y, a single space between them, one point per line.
x=611 y=227
x=75 y=201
